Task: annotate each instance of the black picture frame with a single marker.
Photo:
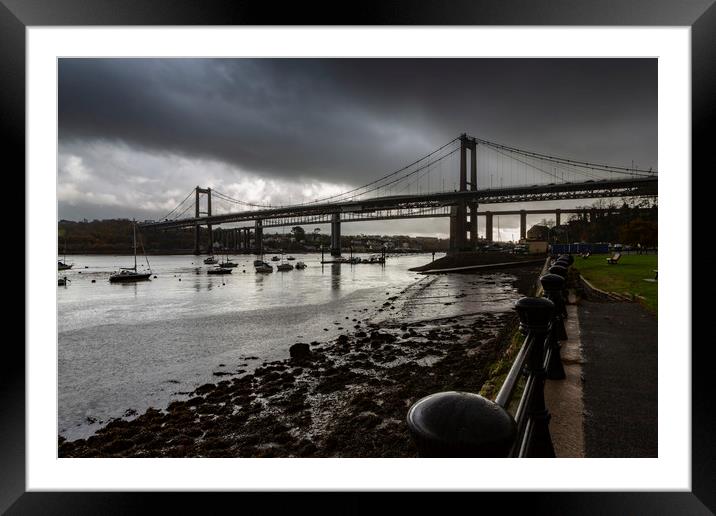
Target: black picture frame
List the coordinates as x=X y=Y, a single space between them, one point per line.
x=17 y=15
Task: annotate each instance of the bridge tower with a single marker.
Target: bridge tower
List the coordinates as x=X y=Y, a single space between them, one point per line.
x=336 y=234
x=197 y=214
x=488 y=227
x=259 y=237
x=459 y=223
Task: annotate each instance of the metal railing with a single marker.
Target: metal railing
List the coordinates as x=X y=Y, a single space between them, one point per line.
x=462 y=424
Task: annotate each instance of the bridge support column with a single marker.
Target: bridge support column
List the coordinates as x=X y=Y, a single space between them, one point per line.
x=211 y=236
x=523 y=224
x=488 y=226
x=453 y=229
x=461 y=222
x=196 y=228
x=336 y=234
x=247 y=240
x=558 y=217
x=473 y=188
x=259 y=237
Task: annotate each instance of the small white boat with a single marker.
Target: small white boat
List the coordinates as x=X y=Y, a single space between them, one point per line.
x=290 y=258
x=300 y=265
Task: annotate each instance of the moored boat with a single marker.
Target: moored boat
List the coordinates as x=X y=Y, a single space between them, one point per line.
x=219 y=270
x=300 y=265
x=130 y=274
x=284 y=267
x=264 y=267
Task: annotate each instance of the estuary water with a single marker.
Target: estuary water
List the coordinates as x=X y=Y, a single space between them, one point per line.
x=125 y=347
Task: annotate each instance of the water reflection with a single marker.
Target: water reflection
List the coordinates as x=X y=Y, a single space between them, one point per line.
x=336 y=276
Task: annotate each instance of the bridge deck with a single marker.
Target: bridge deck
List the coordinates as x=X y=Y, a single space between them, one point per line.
x=423 y=205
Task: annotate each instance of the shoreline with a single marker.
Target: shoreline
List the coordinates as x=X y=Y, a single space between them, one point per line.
x=347 y=397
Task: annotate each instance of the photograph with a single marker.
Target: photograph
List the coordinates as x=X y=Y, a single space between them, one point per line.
x=303 y=254
x=357 y=257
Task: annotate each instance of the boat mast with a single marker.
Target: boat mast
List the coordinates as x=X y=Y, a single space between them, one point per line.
x=134 y=240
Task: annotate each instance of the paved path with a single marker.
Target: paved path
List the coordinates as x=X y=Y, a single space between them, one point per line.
x=619 y=347
x=564 y=397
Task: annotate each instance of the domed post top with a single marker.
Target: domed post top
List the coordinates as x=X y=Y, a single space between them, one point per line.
x=535 y=314
x=460 y=424
x=552 y=283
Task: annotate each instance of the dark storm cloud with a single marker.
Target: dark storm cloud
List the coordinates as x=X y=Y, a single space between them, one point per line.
x=352 y=120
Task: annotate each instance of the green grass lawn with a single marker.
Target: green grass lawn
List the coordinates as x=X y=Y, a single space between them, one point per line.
x=627 y=276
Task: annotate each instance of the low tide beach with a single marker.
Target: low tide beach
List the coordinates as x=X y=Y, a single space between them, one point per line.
x=340 y=390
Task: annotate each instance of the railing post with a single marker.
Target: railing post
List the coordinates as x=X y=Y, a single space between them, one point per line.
x=561 y=270
x=553 y=285
x=460 y=424
x=535 y=314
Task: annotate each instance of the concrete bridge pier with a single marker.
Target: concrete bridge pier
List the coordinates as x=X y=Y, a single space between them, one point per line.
x=196 y=227
x=336 y=234
x=259 y=237
x=473 y=187
x=523 y=224
x=558 y=217
x=453 y=229
x=208 y=226
x=488 y=226
x=247 y=240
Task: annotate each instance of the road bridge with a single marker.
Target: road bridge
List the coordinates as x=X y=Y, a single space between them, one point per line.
x=459 y=205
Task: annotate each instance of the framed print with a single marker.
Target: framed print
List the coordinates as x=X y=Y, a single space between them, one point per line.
x=393 y=252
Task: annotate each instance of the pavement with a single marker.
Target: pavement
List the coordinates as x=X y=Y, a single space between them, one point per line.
x=564 y=397
x=619 y=379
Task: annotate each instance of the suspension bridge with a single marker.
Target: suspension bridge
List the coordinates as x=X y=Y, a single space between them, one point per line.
x=438 y=184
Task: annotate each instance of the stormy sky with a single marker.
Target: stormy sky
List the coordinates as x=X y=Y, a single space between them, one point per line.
x=136 y=135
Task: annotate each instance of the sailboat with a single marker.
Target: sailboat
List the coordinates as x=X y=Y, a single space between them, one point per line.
x=284 y=266
x=63 y=265
x=130 y=274
x=226 y=263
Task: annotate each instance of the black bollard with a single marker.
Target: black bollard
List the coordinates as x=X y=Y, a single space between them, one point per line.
x=558 y=269
x=535 y=314
x=460 y=424
x=553 y=285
